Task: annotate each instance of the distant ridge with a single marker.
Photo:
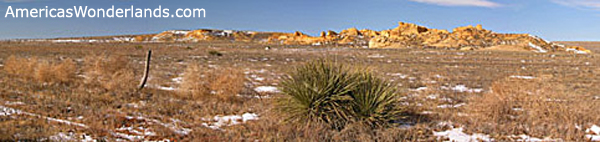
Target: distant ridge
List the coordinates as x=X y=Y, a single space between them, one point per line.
x=406 y=35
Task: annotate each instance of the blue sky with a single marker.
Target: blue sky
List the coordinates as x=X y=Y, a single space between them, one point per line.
x=550 y=19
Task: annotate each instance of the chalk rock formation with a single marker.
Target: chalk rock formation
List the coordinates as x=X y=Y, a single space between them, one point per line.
x=405 y=35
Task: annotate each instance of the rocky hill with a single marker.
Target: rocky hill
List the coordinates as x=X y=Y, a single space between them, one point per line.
x=406 y=35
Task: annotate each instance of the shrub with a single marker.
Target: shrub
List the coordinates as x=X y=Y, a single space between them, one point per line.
x=323 y=92
x=62 y=72
x=42 y=71
x=194 y=84
x=20 y=66
x=224 y=84
x=537 y=107
x=227 y=83
x=111 y=72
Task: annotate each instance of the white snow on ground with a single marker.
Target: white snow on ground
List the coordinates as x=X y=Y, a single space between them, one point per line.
x=257 y=78
x=419 y=89
x=71 y=137
x=179 y=32
x=6 y=111
x=177 y=79
x=593 y=133
x=538 y=38
x=122 y=136
x=123 y=39
x=13 y=103
x=526 y=138
x=219 y=121
x=403 y=76
x=451 y=106
x=463 y=88
x=575 y=51
x=136 y=104
x=266 y=89
x=166 y=88
x=140 y=133
x=376 y=56
x=457 y=135
x=174 y=127
x=522 y=77
x=538 y=48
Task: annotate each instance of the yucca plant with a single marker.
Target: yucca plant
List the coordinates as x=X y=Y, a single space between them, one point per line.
x=374 y=101
x=324 y=92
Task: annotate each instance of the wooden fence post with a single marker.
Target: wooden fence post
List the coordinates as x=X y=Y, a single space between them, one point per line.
x=146 y=71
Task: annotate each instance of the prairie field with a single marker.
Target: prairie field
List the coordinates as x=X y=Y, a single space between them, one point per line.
x=222 y=91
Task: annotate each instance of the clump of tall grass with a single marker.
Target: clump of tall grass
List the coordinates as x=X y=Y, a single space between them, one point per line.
x=20 y=66
x=331 y=94
x=63 y=72
x=537 y=107
x=43 y=71
x=221 y=83
x=111 y=72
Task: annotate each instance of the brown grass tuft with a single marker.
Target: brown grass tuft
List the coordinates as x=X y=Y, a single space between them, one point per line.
x=43 y=71
x=111 y=72
x=538 y=108
x=224 y=84
x=20 y=66
x=62 y=72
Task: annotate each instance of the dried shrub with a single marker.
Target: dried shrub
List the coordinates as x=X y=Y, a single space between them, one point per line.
x=62 y=72
x=194 y=84
x=20 y=66
x=224 y=84
x=538 y=108
x=111 y=72
x=43 y=71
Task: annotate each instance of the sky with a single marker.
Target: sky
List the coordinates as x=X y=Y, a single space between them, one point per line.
x=555 y=20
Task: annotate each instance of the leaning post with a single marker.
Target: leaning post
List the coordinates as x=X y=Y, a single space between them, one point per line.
x=146 y=71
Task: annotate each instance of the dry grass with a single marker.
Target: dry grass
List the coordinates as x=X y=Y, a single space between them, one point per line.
x=43 y=71
x=194 y=84
x=225 y=84
x=64 y=72
x=20 y=66
x=112 y=72
x=533 y=107
x=103 y=109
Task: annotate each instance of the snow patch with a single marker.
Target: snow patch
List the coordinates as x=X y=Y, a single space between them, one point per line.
x=463 y=88
x=419 y=89
x=522 y=77
x=166 y=88
x=451 y=106
x=177 y=80
x=13 y=103
x=71 y=137
x=376 y=56
x=538 y=48
x=575 y=51
x=593 y=133
x=403 y=76
x=266 y=89
x=6 y=111
x=229 y=120
x=526 y=138
x=457 y=134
